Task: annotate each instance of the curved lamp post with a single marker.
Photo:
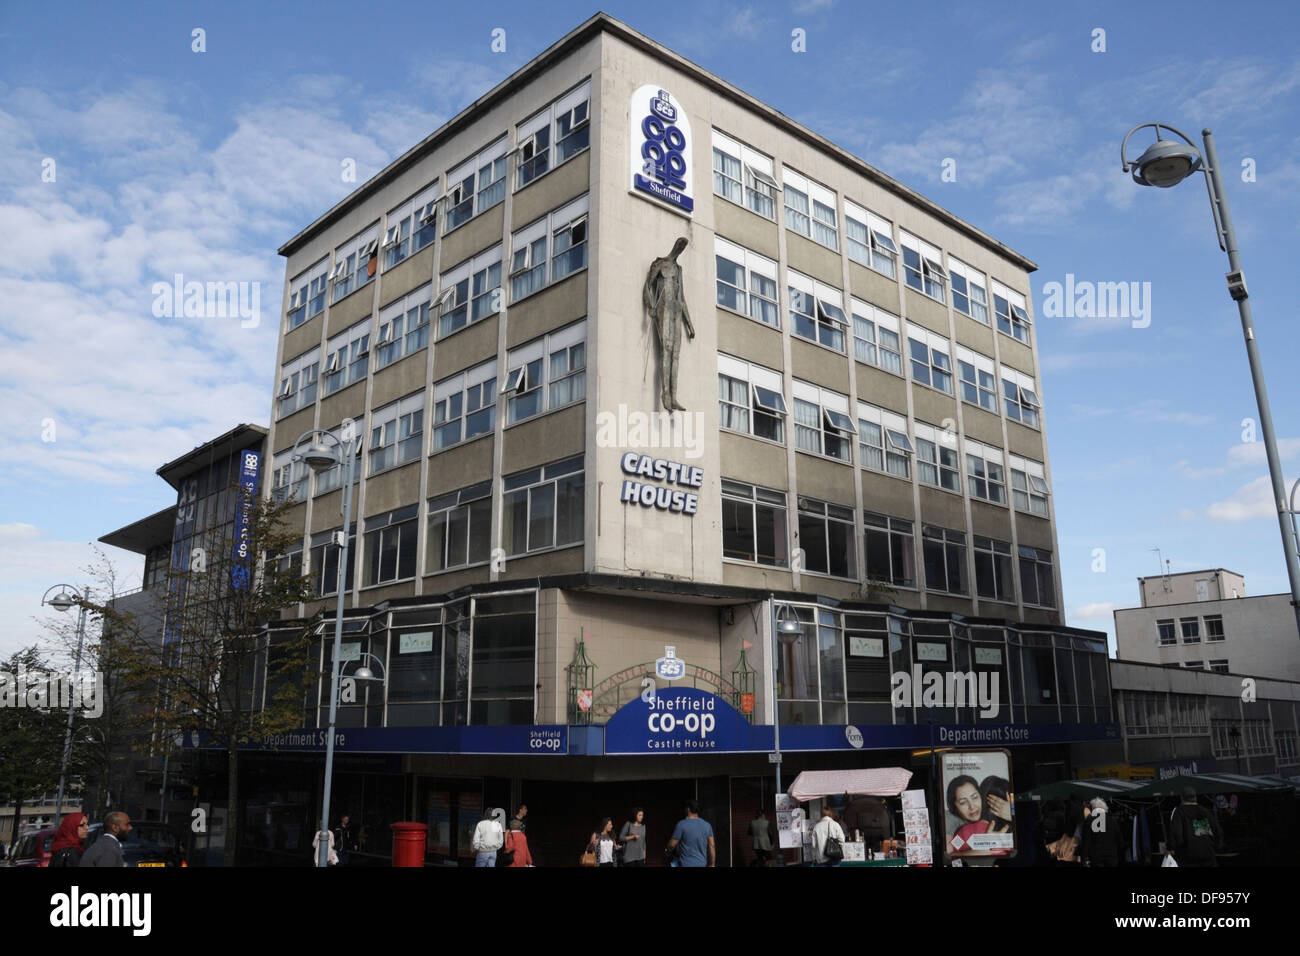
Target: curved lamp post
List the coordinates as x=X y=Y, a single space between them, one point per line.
x=1165 y=163
x=63 y=602
x=787 y=628
x=323 y=452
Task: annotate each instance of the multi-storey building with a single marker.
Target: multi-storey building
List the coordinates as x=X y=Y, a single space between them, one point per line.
x=1205 y=620
x=862 y=448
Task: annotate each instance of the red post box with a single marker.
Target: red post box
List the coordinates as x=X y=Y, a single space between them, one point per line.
x=409 y=841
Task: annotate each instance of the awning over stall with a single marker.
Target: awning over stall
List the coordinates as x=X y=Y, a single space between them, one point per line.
x=1212 y=783
x=1101 y=787
x=880 y=782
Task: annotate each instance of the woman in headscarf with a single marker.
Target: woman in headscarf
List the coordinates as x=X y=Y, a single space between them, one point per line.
x=69 y=841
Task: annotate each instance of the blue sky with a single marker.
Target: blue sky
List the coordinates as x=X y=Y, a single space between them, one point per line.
x=168 y=160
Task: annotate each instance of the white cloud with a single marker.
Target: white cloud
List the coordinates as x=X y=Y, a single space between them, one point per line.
x=1095 y=610
x=1250 y=501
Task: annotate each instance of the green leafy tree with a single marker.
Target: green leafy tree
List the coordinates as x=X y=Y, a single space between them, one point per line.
x=31 y=737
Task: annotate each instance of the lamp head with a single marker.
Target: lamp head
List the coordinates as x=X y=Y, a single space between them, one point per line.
x=62 y=601
x=320 y=457
x=1166 y=163
x=364 y=673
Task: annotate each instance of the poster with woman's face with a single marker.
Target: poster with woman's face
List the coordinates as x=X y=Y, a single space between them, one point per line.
x=978 y=804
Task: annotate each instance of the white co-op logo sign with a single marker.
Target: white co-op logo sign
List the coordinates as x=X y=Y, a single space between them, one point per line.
x=670 y=666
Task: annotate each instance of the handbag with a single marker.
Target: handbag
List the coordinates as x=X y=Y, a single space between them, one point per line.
x=588 y=857
x=506 y=856
x=833 y=849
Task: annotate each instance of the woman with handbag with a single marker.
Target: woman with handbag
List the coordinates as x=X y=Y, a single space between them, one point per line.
x=602 y=845
x=633 y=837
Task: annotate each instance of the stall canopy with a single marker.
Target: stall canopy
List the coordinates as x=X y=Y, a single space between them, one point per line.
x=1212 y=783
x=881 y=782
x=1104 y=787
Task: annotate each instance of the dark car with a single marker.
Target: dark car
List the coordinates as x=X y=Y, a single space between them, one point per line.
x=33 y=848
x=147 y=844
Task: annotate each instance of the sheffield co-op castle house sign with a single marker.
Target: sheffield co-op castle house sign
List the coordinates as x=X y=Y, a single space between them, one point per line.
x=661 y=167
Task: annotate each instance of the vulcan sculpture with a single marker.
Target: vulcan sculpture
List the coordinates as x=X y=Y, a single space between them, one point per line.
x=665 y=303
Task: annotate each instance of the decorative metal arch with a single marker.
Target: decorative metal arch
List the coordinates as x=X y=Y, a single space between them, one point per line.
x=615 y=691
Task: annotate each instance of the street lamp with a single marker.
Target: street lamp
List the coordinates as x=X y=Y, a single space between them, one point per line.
x=1166 y=163
x=63 y=601
x=788 y=629
x=326 y=451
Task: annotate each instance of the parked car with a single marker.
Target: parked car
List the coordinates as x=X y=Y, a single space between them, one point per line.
x=148 y=844
x=33 y=848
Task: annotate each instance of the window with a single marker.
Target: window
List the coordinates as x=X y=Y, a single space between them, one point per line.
x=464 y=406
x=822 y=424
x=875 y=337
x=1194 y=665
x=889 y=550
x=1219 y=666
x=307 y=294
x=1191 y=630
x=547 y=373
x=1012 y=318
x=809 y=209
x=921 y=268
x=460 y=525
x=1165 y=630
x=936 y=457
x=750 y=399
x=743 y=176
x=826 y=537
x=469 y=291
x=1021 y=400
x=288 y=477
x=753 y=524
x=929 y=354
x=985 y=477
x=883 y=444
x=968 y=291
x=869 y=241
x=1036 y=585
x=566 y=123
x=1214 y=628
x=298 y=380
x=403 y=327
x=411 y=226
x=355 y=263
x=543 y=508
x=816 y=312
x=993 y=569
x=347 y=357
x=944 y=552
x=567 y=229
x=397 y=433
x=1145 y=714
x=325 y=560
x=1287 y=745
x=1028 y=486
x=746 y=282
x=390 y=546
x=1188 y=715
x=979 y=384
x=327 y=481
x=475 y=186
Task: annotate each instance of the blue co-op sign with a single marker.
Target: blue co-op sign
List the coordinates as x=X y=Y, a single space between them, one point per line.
x=679 y=720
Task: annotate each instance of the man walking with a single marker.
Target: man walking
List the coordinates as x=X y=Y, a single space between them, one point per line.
x=488 y=838
x=826 y=830
x=345 y=840
x=693 y=839
x=1193 y=832
x=760 y=830
x=519 y=818
x=107 y=850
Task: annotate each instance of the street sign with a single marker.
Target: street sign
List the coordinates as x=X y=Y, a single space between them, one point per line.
x=773 y=758
x=746 y=703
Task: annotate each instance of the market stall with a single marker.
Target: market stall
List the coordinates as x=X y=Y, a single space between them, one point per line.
x=871 y=799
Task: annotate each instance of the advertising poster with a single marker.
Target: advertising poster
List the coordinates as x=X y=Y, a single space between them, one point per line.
x=979 y=804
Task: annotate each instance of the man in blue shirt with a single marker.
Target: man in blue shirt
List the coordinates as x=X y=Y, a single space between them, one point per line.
x=693 y=839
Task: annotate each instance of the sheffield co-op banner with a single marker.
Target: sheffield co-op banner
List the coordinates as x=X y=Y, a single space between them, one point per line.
x=681 y=720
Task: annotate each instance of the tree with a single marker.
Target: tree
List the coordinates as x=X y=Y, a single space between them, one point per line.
x=209 y=668
x=31 y=732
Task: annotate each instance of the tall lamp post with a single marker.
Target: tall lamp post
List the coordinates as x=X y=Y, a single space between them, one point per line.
x=787 y=628
x=325 y=451
x=1167 y=163
x=63 y=601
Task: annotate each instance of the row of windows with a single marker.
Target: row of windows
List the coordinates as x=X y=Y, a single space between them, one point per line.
x=747 y=177
x=755 y=522
x=751 y=401
x=1167 y=632
x=543 y=142
x=542 y=509
x=747 y=283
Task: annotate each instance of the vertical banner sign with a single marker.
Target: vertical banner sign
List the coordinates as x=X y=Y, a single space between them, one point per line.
x=660 y=150
x=248 y=468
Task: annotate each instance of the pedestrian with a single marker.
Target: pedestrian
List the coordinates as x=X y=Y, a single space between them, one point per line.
x=345 y=840
x=603 y=843
x=633 y=838
x=488 y=838
x=70 y=841
x=332 y=857
x=827 y=840
x=519 y=817
x=1103 y=836
x=760 y=831
x=693 y=839
x=107 y=850
x=1193 y=833
x=517 y=844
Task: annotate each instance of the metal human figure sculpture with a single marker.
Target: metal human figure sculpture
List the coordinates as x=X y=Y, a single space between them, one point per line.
x=665 y=302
